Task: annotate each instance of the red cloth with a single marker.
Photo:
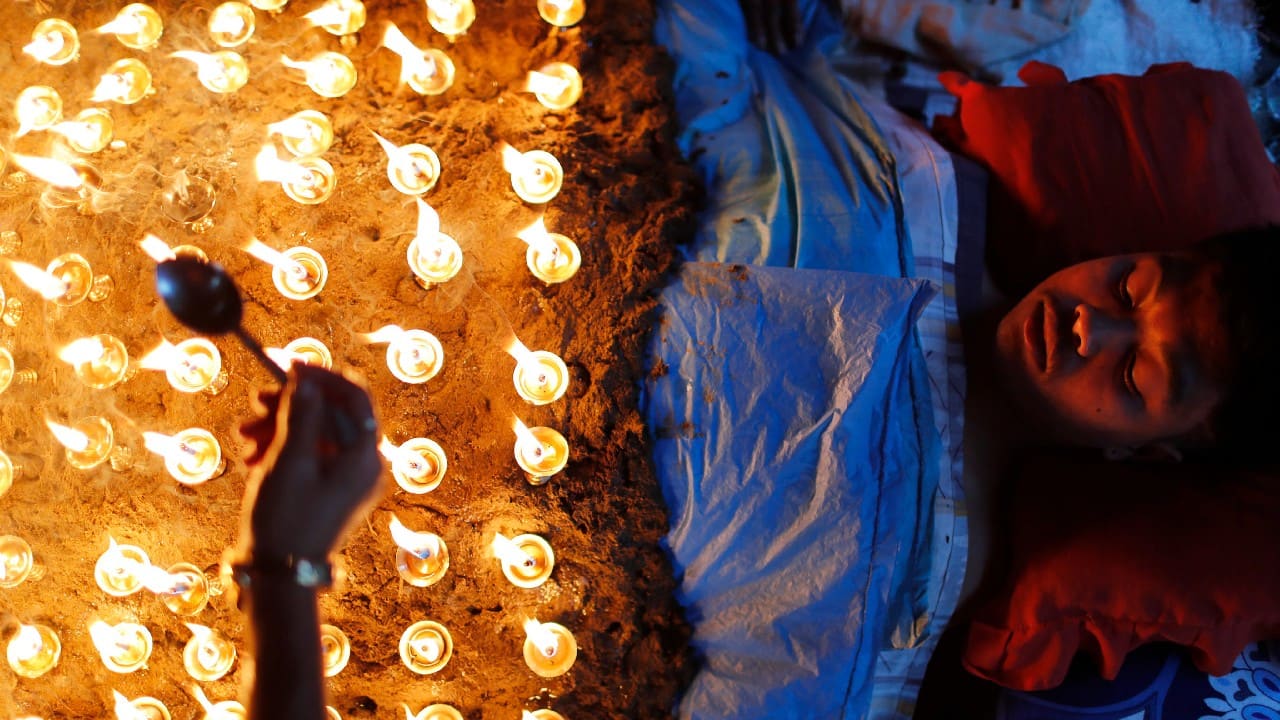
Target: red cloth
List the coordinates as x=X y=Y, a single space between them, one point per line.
x=1109 y=164
x=1104 y=559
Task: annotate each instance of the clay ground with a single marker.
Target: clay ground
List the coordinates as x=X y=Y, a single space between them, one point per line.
x=626 y=201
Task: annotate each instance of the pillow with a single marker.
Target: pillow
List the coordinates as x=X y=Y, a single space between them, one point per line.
x=1104 y=557
x=1109 y=164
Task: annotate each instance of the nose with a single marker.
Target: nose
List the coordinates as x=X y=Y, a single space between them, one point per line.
x=1096 y=331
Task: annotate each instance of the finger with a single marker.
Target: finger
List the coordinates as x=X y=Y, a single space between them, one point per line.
x=340 y=390
x=301 y=412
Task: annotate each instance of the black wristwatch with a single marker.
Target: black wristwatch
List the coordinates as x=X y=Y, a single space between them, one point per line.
x=301 y=571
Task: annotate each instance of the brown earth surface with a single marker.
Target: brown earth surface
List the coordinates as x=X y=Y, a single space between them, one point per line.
x=626 y=201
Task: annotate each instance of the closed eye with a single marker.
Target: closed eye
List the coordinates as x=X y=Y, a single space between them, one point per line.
x=1122 y=290
x=1126 y=374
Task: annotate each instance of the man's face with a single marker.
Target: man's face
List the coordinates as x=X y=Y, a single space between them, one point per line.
x=1117 y=351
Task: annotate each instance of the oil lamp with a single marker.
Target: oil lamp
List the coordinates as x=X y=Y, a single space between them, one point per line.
x=328 y=74
x=298 y=273
x=527 y=560
x=338 y=17
x=306 y=350
x=119 y=568
x=183 y=588
x=38 y=107
x=422 y=558
x=540 y=377
x=305 y=133
x=207 y=655
x=33 y=650
x=428 y=72
x=223 y=709
x=90 y=132
x=9 y=375
x=562 y=13
x=231 y=24
x=412 y=169
x=413 y=356
x=536 y=175
x=100 y=361
x=557 y=85
x=451 y=18
x=222 y=72
x=540 y=451
x=126 y=82
x=188 y=199
x=53 y=42
x=437 y=711
x=139 y=708
x=307 y=180
x=136 y=26
x=192 y=456
x=89 y=442
x=433 y=256
x=418 y=464
x=16 y=561
x=193 y=365
x=549 y=648
x=425 y=647
x=541 y=714
x=272 y=6
x=335 y=649
x=67 y=280
x=551 y=257
x=124 y=647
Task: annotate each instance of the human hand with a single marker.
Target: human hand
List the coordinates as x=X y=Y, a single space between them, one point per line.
x=315 y=465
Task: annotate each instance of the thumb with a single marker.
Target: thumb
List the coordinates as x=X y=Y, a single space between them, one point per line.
x=1041 y=73
x=954 y=81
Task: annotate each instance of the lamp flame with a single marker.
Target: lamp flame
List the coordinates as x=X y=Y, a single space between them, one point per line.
x=513 y=161
x=330 y=13
x=428 y=648
x=405 y=461
x=384 y=334
x=156 y=249
x=274 y=258
x=112 y=86
x=510 y=553
x=50 y=286
x=526 y=715
x=228 y=23
x=26 y=644
x=161 y=444
x=124 y=709
x=413 y=62
x=542 y=638
x=421 y=545
x=428 y=221
x=270 y=168
x=68 y=437
x=544 y=84
x=518 y=350
x=162 y=357
x=54 y=172
x=126 y=23
x=537 y=236
x=523 y=435
x=45 y=46
x=81 y=351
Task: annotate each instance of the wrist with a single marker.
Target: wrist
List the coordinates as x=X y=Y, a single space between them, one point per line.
x=260 y=566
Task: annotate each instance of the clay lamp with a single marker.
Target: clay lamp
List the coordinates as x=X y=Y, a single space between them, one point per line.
x=433 y=256
x=191 y=456
x=422 y=558
x=307 y=180
x=124 y=647
x=527 y=560
x=231 y=24
x=53 y=42
x=549 y=648
x=556 y=85
x=328 y=74
x=413 y=169
x=428 y=72
x=540 y=451
x=551 y=257
x=33 y=650
x=540 y=376
x=100 y=361
x=222 y=72
x=136 y=26
x=208 y=655
x=425 y=647
x=536 y=175
x=418 y=464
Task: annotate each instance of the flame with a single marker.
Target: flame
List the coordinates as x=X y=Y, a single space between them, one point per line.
x=544 y=84
x=156 y=249
x=126 y=22
x=561 y=5
x=54 y=172
x=124 y=709
x=160 y=444
x=273 y=257
x=82 y=351
x=421 y=545
x=330 y=13
x=384 y=334
x=228 y=23
x=270 y=168
x=526 y=715
x=395 y=155
x=282 y=357
x=85 y=134
x=513 y=160
x=201 y=698
x=162 y=357
x=45 y=45
x=295 y=127
x=201 y=633
x=428 y=221
x=413 y=62
x=112 y=640
x=519 y=351
x=447 y=10
x=50 y=286
x=159 y=581
x=68 y=437
x=536 y=235
x=524 y=437
x=510 y=553
x=427 y=647
x=26 y=643
x=542 y=638
x=35 y=108
x=112 y=86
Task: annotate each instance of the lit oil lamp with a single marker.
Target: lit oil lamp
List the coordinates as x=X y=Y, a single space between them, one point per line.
x=53 y=42
x=139 y=708
x=417 y=464
x=562 y=13
x=307 y=350
x=428 y=72
x=10 y=375
x=231 y=24
x=335 y=649
x=527 y=560
x=413 y=356
x=338 y=17
x=33 y=650
x=55 y=172
x=425 y=647
x=207 y=655
x=124 y=647
x=437 y=711
x=549 y=648
x=88 y=443
x=433 y=256
x=304 y=134
x=100 y=361
x=422 y=558
x=119 y=568
x=299 y=273
x=271 y=6
x=68 y=280
x=38 y=107
x=307 y=180
x=16 y=561
x=136 y=26
x=540 y=451
x=183 y=588
x=551 y=257
x=541 y=714
x=451 y=18
x=192 y=456
x=413 y=169
x=223 y=709
x=126 y=82
x=328 y=74
x=540 y=377
x=536 y=175
x=90 y=132
x=557 y=85
x=193 y=365
x=222 y=72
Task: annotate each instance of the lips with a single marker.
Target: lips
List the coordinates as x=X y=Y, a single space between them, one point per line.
x=1034 y=335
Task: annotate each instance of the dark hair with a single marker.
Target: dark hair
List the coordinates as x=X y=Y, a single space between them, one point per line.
x=1244 y=424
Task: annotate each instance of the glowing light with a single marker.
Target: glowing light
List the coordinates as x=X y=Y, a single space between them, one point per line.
x=53 y=42
x=304 y=133
x=551 y=257
x=156 y=249
x=193 y=365
x=556 y=85
x=338 y=17
x=413 y=169
x=428 y=72
x=33 y=650
x=208 y=655
x=126 y=82
x=136 y=26
x=413 y=356
x=100 y=360
x=510 y=553
x=451 y=18
x=90 y=132
x=231 y=24
x=432 y=256
x=335 y=649
x=221 y=72
x=298 y=273
x=421 y=545
x=536 y=175
x=70 y=438
x=38 y=107
x=562 y=13
x=118 y=571
x=328 y=74
x=549 y=649
x=16 y=561
x=540 y=451
x=124 y=647
x=540 y=377
x=307 y=180
x=304 y=349
x=54 y=172
x=425 y=647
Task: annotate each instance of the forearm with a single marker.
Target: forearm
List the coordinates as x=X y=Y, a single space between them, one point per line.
x=285 y=630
